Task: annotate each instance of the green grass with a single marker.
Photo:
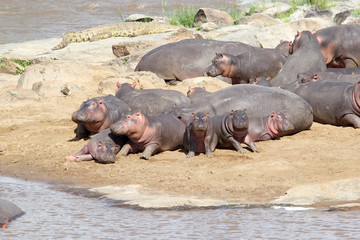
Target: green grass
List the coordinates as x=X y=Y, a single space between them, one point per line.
x=183 y=16
x=319 y=4
x=356 y=12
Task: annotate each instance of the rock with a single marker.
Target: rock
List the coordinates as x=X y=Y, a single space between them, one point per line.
x=277 y=9
x=301 y=12
x=183 y=33
x=345 y=207
x=205 y=15
x=10 y=67
x=352 y=21
x=342 y=190
x=145 y=18
x=320 y=14
x=211 y=84
x=341 y=17
x=126 y=48
x=260 y=19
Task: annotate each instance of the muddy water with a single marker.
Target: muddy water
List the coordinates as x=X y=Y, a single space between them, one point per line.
x=58 y=212
x=22 y=20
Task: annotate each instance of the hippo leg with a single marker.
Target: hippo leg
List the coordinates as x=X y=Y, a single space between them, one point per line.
x=81 y=133
x=149 y=150
x=208 y=152
x=83 y=157
x=125 y=150
x=190 y=154
x=248 y=141
x=236 y=145
x=351 y=119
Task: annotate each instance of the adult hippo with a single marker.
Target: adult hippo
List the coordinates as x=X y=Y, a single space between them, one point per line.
x=149 y=134
x=340 y=45
x=251 y=64
x=305 y=55
x=150 y=101
x=97 y=114
x=187 y=58
x=333 y=102
x=259 y=101
x=8 y=212
x=329 y=75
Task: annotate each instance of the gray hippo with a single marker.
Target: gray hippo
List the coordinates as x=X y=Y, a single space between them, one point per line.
x=329 y=75
x=263 y=81
x=186 y=58
x=305 y=55
x=196 y=92
x=97 y=114
x=199 y=136
x=8 y=212
x=259 y=101
x=333 y=102
x=241 y=68
x=150 y=101
x=232 y=129
x=340 y=45
x=269 y=127
x=150 y=134
x=102 y=148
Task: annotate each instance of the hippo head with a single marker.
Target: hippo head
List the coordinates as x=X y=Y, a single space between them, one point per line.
x=124 y=88
x=106 y=152
x=221 y=65
x=304 y=38
x=131 y=124
x=201 y=121
x=239 y=120
x=261 y=81
x=92 y=111
x=279 y=123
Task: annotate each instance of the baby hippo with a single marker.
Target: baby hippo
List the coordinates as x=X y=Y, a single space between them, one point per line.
x=269 y=127
x=199 y=136
x=149 y=134
x=103 y=148
x=232 y=129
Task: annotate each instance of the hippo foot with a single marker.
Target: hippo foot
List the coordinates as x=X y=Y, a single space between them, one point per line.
x=145 y=157
x=209 y=154
x=190 y=155
x=71 y=158
x=242 y=151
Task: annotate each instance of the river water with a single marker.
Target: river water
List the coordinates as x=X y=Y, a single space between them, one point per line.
x=22 y=20
x=59 y=212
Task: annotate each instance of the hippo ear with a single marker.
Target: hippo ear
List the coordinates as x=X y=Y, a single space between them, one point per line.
x=99 y=143
x=204 y=87
x=138 y=112
x=268 y=79
x=273 y=115
x=133 y=85
x=297 y=33
x=118 y=85
x=281 y=41
x=207 y=114
x=244 y=109
x=290 y=43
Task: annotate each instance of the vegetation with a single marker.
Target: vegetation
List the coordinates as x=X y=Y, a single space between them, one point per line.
x=21 y=62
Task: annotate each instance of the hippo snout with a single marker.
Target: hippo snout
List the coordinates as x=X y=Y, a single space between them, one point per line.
x=79 y=117
x=107 y=158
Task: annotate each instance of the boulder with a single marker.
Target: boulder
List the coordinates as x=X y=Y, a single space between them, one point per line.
x=342 y=16
x=277 y=9
x=205 y=15
x=319 y=14
x=260 y=19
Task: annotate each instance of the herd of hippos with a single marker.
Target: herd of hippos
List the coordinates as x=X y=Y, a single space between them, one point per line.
x=315 y=77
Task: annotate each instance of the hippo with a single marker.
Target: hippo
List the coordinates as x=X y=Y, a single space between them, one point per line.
x=328 y=75
x=199 y=136
x=259 y=101
x=150 y=134
x=196 y=93
x=333 y=102
x=102 y=148
x=263 y=81
x=269 y=127
x=340 y=45
x=247 y=65
x=187 y=58
x=97 y=114
x=232 y=129
x=305 y=55
x=8 y=212
x=150 y=101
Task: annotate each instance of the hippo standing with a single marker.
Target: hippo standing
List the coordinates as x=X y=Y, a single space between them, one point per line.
x=97 y=114
x=269 y=127
x=305 y=55
x=8 y=212
x=199 y=136
x=102 y=148
x=232 y=129
x=340 y=45
x=333 y=102
x=259 y=101
x=241 y=68
x=187 y=58
x=150 y=101
x=150 y=134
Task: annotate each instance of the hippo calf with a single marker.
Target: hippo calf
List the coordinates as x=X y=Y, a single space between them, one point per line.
x=269 y=127
x=199 y=135
x=333 y=102
x=97 y=114
x=150 y=134
x=232 y=129
x=150 y=101
x=102 y=148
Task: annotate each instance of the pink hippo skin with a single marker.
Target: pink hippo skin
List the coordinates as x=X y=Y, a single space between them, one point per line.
x=97 y=114
x=149 y=134
x=102 y=148
x=270 y=127
x=200 y=136
x=232 y=129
